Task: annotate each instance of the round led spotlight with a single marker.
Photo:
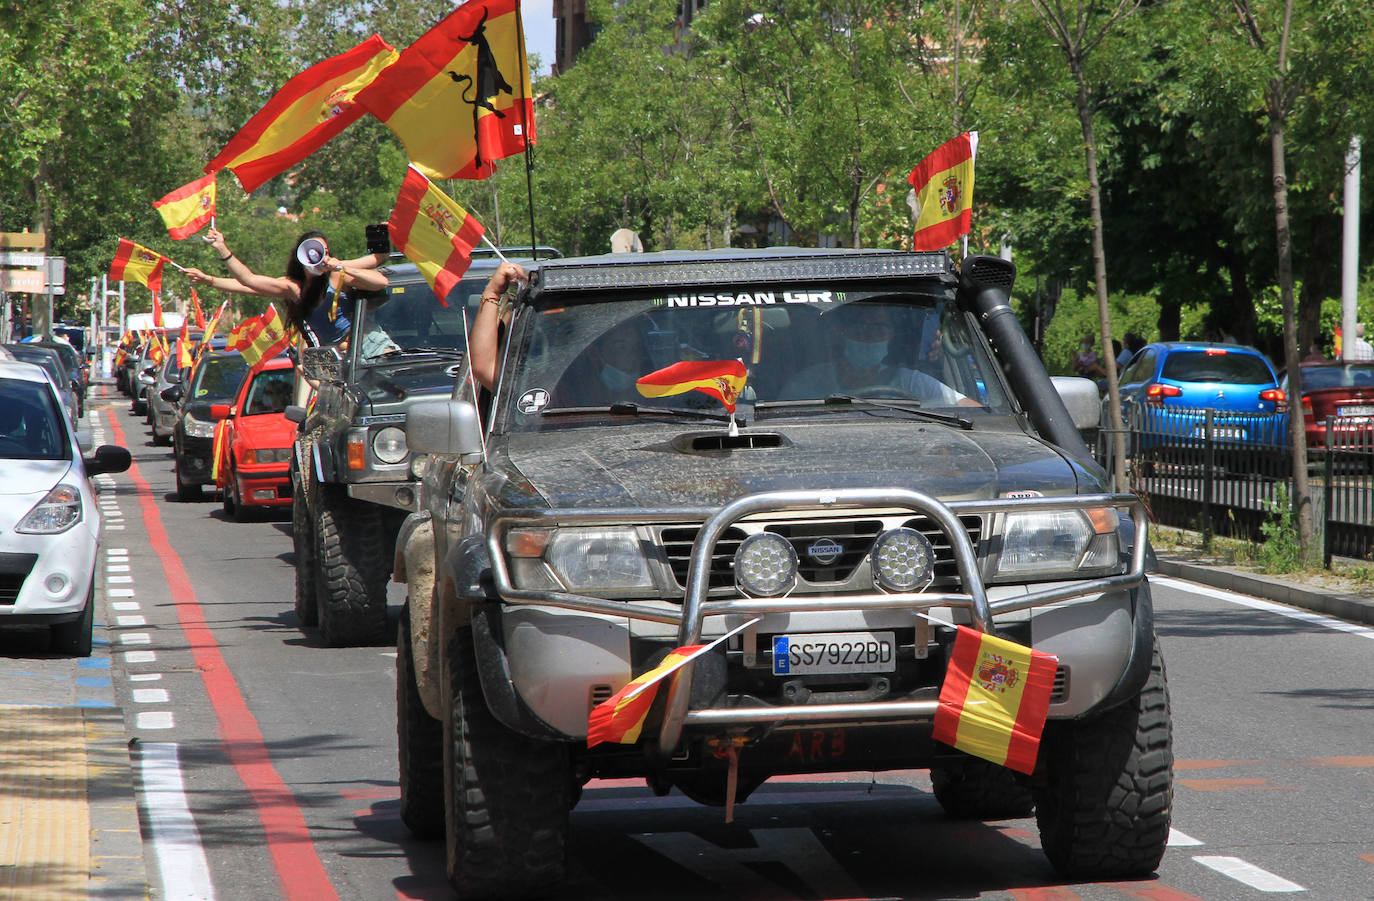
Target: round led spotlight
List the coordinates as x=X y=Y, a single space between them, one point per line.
x=765 y=565
x=903 y=560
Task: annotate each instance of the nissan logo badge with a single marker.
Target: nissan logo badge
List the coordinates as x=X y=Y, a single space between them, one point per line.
x=824 y=551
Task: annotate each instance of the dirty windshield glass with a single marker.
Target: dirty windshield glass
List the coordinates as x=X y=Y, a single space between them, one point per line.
x=407 y=317
x=804 y=347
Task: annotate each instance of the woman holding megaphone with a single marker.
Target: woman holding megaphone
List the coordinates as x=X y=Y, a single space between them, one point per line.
x=314 y=282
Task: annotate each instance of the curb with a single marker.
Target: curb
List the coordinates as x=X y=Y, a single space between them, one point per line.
x=1345 y=606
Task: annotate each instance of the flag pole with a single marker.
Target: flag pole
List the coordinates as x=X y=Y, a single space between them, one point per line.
x=525 y=127
x=496 y=249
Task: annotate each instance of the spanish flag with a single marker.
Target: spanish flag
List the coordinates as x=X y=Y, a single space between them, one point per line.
x=136 y=263
x=304 y=115
x=459 y=97
x=189 y=208
x=219 y=451
x=722 y=379
x=184 y=360
x=260 y=338
x=995 y=699
x=210 y=329
x=157 y=311
x=434 y=232
x=620 y=717
x=944 y=193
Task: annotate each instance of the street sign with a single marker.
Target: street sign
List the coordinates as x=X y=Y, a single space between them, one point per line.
x=55 y=271
x=21 y=258
x=23 y=240
x=24 y=281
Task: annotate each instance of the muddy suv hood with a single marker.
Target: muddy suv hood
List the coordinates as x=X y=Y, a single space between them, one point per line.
x=407 y=377
x=656 y=466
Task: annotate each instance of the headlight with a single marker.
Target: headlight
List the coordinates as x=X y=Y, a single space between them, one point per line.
x=765 y=565
x=389 y=444
x=267 y=455
x=56 y=512
x=591 y=559
x=903 y=560
x=1063 y=542
x=194 y=428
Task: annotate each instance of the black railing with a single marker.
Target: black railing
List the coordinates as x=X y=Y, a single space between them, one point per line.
x=1220 y=473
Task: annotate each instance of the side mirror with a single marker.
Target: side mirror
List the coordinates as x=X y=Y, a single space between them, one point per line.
x=294 y=413
x=321 y=364
x=219 y=411
x=108 y=458
x=1080 y=399
x=172 y=394
x=446 y=427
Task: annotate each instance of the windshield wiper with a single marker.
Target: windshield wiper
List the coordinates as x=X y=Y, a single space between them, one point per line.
x=913 y=406
x=633 y=409
x=447 y=351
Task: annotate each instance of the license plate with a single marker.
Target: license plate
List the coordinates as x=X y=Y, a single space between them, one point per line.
x=1223 y=431
x=834 y=652
x=1356 y=410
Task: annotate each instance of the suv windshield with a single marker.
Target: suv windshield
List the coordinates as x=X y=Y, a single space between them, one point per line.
x=218 y=378
x=800 y=348
x=407 y=317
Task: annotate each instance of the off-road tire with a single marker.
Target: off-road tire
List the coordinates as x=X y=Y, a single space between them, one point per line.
x=74 y=637
x=507 y=796
x=303 y=541
x=974 y=789
x=1104 y=807
x=187 y=491
x=419 y=747
x=353 y=568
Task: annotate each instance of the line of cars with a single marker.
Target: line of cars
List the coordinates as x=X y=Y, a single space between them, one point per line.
x=214 y=409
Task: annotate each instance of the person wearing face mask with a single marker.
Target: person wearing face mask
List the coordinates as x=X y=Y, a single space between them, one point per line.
x=864 y=366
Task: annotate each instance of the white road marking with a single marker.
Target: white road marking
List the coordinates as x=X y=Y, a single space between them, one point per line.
x=135 y=638
x=150 y=695
x=176 y=841
x=125 y=605
x=116 y=567
x=116 y=551
x=155 y=719
x=131 y=620
x=1179 y=840
x=119 y=592
x=153 y=677
x=119 y=580
x=1249 y=874
x=140 y=656
x=1246 y=600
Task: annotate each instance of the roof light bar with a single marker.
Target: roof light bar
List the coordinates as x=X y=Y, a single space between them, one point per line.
x=620 y=273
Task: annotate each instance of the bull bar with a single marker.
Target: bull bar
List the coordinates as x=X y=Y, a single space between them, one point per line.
x=696 y=606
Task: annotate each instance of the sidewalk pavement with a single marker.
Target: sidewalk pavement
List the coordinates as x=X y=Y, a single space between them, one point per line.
x=69 y=825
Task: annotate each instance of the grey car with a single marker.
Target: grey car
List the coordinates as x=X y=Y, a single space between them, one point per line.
x=838 y=466
x=162 y=411
x=52 y=363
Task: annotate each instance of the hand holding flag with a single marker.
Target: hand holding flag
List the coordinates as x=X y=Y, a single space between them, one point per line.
x=434 y=232
x=189 y=208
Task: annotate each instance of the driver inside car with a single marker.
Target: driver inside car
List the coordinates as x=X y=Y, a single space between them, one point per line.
x=866 y=363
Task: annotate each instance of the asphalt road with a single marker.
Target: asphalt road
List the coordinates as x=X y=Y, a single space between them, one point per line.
x=267 y=762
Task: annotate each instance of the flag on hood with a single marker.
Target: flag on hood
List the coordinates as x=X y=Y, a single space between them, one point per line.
x=136 y=263
x=304 y=115
x=995 y=699
x=189 y=208
x=944 y=193
x=722 y=379
x=459 y=97
x=434 y=232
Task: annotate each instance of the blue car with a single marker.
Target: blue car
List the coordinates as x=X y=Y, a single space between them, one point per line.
x=1169 y=387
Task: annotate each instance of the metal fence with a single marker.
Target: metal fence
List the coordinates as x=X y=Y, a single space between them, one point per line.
x=1221 y=473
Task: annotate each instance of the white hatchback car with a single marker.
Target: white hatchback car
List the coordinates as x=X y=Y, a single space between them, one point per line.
x=49 y=521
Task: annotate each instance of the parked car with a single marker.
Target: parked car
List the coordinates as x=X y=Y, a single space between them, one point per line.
x=1342 y=393
x=1169 y=388
x=48 y=515
x=52 y=363
x=215 y=380
x=76 y=367
x=162 y=411
x=257 y=439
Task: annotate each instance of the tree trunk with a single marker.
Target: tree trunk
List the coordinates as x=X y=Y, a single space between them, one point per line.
x=1118 y=444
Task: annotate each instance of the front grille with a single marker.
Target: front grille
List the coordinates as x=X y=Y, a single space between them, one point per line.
x=14 y=569
x=854 y=539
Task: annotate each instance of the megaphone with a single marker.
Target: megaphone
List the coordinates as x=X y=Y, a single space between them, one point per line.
x=311 y=254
